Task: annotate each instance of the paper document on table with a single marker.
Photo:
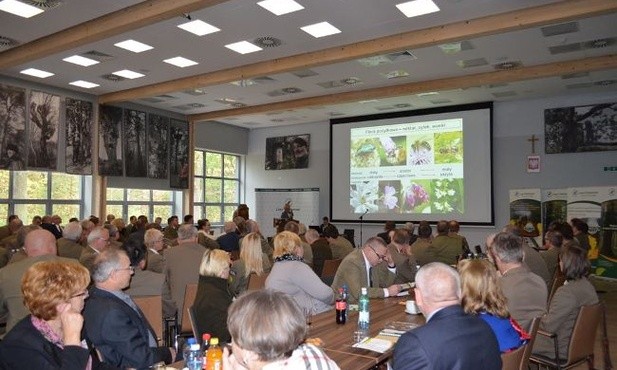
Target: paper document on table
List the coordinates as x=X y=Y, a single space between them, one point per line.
x=375 y=344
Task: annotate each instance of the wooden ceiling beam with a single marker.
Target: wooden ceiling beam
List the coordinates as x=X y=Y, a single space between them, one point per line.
x=124 y=20
x=494 y=24
x=519 y=74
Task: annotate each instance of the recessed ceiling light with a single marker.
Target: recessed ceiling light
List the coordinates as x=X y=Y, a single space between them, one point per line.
x=417 y=7
x=82 y=61
x=320 y=29
x=280 y=7
x=199 y=28
x=134 y=46
x=243 y=47
x=180 y=62
x=84 y=84
x=128 y=74
x=19 y=8
x=36 y=73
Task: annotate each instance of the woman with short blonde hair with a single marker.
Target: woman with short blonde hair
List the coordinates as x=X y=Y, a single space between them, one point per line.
x=292 y=276
x=252 y=261
x=482 y=296
x=213 y=295
x=50 y=337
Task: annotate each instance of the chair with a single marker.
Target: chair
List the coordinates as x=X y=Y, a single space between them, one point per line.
x=185 y=330
x=558 y=279
x=152 y=308
x=582 y=340
x=519 y=358
x=350 y=235
x=193 y=321
x=330 y=267
x=257 y=282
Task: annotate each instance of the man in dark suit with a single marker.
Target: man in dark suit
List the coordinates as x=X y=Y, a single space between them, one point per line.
x=450 y=339
x=114 y=324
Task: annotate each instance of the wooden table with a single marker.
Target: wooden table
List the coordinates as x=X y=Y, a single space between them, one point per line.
x=338 y=339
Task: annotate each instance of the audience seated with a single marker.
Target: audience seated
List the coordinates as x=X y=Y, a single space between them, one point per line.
x=115 y=325
x=307 y=254
x=50 y=336
x=453 y=229
x=420 y=248
x=213 y=295
x=258 y=341
x=320 y=248
x=445 y=249
x=68 y=245
x=153 y=241
x=230 y=240
x=145 y=282
x=98 y=241
x=580 y=230
x=340 y=246
x=10 y=241
x=482 y=296
x=404 y=261
x=525 y=292
x=292 y=276
x=531 y=256
x=566 y=303
x=20 y=253
x=370 y=266
x=39 y=245
x=182 y=264
x=253 y=227
x=48 y=224
x=252 y=261
x=553 y=241
x=171 y=231
x=450 y=339
x=5 y=230
x=203 y=235
x=385 y=235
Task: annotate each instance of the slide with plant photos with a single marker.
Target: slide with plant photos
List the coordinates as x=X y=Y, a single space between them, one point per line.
x=407 y=168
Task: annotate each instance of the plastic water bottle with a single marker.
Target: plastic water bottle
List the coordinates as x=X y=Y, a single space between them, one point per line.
x=214 y=356
x=364 y=317
x=205 y=344
x=193 y=355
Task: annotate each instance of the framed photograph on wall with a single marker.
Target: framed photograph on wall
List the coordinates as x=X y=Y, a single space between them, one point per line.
x=110 y=141
x=12 y=128
x=585 y=128
x=287 y=152
x=43 y=130
x=78 y=131
x=158 y=146
x=135 y=162
x=179 y=154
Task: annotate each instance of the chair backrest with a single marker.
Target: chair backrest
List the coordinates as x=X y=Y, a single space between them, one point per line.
x=330 y=267
x=257 y=282
x=193 y=321
x=152 y=308
x=584 y=332
x=558 y=280
x=350 y=235
x=519 y=358
x=190 y=292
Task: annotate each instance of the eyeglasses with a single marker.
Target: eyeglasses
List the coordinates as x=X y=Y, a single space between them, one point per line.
x=106 y=240
x=381 y=257
x=84 y=294
x=130 y=268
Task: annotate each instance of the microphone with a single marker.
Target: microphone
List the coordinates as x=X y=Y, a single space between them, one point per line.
x=365 y=212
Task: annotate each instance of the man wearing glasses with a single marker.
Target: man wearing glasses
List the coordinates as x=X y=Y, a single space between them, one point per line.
x=370 y=266
x=114 y=324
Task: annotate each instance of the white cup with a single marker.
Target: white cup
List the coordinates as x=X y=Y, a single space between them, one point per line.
x=411 y=307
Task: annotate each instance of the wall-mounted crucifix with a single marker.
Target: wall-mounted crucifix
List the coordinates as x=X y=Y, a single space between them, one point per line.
x=533 y=140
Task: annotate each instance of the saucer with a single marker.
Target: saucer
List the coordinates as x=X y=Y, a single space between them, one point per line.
x=412 y=313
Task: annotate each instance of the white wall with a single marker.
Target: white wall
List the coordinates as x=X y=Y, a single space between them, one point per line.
x=514 y=122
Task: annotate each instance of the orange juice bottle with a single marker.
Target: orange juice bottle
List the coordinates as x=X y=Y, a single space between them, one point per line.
x=214 y=355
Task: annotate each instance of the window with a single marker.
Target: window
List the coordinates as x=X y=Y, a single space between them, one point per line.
x=38 y=193
x=135 y=202
x=216 y=186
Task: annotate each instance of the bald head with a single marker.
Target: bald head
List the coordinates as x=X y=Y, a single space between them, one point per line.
x=439 y=286
x=40 y=242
